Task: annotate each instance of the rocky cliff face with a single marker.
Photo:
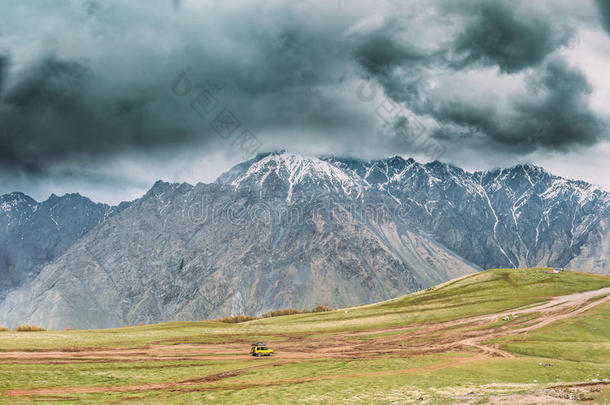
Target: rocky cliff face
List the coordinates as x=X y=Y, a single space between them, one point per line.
x=285 y=230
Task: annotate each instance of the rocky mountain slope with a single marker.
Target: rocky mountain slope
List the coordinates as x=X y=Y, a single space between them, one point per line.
x=286 y=230
x=517 y=217
x=33 y=234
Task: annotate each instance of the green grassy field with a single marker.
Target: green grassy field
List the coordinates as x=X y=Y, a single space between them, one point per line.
x=442 y=345
x=586 y=338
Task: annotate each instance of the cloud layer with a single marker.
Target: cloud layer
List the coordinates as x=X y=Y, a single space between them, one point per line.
x=89 y=80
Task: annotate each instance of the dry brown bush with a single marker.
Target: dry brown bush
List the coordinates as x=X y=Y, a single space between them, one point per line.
x=321 y=308
x=271 y=314
x=236 y=319
x=280 y=312
x=29 y=328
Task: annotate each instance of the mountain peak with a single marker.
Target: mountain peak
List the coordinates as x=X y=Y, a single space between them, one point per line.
x=160 y=187
x=11 y=201
x=15 y=196
x=290 y=171
x=530 y=168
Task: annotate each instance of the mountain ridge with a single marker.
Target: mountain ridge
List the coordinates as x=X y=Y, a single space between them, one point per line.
x=290 y=230
x=534 y=187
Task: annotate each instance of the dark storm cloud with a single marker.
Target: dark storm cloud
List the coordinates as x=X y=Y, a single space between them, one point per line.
x=603 y=7
x=557 y=110
x=554 y=114
x=30 y=108
x=58 y=109
x=507 y=35
x=279 y=73
x=379 y=52
x=396 y=63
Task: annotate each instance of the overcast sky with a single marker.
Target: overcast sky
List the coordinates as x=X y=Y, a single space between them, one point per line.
x=105 y=97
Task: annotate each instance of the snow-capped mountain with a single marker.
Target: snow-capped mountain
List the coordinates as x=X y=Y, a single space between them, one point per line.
x=522 y=216
x=292 y=173
x=288 y=230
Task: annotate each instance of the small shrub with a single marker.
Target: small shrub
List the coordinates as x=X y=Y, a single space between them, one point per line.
x=281 y=312
x=236 y=319
x=29 y=328
x=69 y=328
x=321 y=308
x=3 y=329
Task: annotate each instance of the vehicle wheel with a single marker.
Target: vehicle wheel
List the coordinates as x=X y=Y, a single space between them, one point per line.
x=258 y=355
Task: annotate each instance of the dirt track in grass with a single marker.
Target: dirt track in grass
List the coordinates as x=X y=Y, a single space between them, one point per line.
x=466 y=335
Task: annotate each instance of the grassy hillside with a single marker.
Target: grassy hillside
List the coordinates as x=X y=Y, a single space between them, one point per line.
x=585 y=338
x=495 y=335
